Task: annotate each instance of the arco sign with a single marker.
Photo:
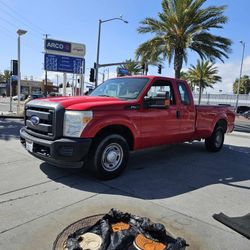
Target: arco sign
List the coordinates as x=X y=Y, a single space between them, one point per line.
x=57 y=46
x=64 y=48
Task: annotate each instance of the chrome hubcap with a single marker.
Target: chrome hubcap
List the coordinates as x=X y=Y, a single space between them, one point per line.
x=112 y=157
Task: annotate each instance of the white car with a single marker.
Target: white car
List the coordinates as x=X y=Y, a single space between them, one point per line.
x=15 y=98
x=247 y=114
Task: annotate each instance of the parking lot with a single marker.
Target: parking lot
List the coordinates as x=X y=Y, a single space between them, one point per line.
x=181 y=186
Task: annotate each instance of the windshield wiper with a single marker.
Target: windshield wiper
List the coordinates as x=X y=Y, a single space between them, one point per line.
x=105 y=95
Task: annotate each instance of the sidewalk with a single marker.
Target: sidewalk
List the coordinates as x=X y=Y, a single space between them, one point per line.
x=7 y=114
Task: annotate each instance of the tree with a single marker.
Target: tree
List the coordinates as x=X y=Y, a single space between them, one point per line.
x=204 y=74
x=5 y=76
x=185 y=76
x=133 y=67
x=244 y=85
x=183 y=25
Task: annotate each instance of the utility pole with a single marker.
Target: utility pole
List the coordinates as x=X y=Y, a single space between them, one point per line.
x=46 y=76
x=238 y=88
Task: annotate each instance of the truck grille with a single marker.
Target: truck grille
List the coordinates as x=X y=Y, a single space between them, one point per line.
x=44 y=121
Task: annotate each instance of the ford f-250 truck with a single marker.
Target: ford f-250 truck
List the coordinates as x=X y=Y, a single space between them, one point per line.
x=120 y=115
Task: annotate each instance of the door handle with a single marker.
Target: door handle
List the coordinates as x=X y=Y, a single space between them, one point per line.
x=178 y=114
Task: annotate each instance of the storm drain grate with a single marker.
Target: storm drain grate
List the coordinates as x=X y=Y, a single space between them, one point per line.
x=61 y=239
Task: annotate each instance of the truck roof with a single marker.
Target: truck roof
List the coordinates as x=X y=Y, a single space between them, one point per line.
x=151 y=77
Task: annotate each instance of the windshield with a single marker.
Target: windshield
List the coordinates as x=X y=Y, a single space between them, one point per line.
x=124 y=88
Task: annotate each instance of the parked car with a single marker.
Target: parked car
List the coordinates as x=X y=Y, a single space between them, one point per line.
x=121 y=115
x=22 y=97
x=35 y=96
x=242 y=109
x=247 y=114
x=54 y=94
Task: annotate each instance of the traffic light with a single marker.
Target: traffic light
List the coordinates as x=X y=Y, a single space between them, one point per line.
x=14 y=68
x=159 y=69
x=92 y=75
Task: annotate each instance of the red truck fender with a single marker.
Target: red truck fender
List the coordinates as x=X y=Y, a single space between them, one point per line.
x=114 y=124
x=222 y=120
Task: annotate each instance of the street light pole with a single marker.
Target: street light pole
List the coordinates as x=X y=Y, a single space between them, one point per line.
x=98 y=52
x=98 y=44
x=20 y=33
x=238 y=89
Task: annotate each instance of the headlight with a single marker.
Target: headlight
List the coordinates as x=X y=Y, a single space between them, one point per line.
x=75 y=122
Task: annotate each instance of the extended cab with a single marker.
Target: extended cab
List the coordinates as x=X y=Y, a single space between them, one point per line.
x=120 y=115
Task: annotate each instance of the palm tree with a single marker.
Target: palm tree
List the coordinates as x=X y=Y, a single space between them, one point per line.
x=183 y=25
x=204 y=74
x=133 y=67
x=185 y=76
x=5 y=76
x=244 y=85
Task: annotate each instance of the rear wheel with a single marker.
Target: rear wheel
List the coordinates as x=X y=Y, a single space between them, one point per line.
x=109 y=156
x=215 y=142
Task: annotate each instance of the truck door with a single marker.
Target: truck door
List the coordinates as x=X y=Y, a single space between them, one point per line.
x=159 y=125
x=186 y=112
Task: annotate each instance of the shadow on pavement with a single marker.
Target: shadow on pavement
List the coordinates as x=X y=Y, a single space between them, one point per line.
x=167 y=171
x=9 y=128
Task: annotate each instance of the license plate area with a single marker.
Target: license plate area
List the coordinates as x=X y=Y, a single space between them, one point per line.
x=29 y=146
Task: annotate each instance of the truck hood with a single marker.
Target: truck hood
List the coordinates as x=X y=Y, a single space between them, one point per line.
x=83 y=102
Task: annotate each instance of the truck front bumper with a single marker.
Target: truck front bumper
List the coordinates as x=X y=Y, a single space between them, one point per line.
x=64 y=152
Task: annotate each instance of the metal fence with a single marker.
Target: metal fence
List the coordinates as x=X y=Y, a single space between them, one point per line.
x=215 y=99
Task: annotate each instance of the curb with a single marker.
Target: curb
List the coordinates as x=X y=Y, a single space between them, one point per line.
x=245 y=135
x=11 y=117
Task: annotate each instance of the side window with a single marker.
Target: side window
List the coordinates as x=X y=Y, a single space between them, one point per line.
x=183 y=93
x=162 y=89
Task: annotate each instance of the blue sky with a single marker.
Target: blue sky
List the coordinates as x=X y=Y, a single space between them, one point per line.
x=77 y=21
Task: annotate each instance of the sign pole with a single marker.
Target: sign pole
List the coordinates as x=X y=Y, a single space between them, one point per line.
x=64 y=83
x=82 y=85
x=76 y=85
x=73 y=85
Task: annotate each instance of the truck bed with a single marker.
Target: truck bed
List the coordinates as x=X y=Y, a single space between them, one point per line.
x=207 y=115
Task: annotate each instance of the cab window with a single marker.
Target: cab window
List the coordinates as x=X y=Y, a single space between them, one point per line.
x=162 y=89
x=183 y=93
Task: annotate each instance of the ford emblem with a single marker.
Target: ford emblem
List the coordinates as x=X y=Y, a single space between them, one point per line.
x=35 y=120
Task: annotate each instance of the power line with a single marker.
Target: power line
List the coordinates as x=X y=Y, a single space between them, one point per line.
x=14 y=38
x=15 y=25
x=7 y=32
x=21 y=18
x=9 y=22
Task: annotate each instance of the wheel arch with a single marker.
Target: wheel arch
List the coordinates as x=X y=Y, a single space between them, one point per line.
x=116 y=129
x=222 y=123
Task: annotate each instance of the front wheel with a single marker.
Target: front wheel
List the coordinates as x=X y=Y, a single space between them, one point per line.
x=215 y=142
x=109 y=156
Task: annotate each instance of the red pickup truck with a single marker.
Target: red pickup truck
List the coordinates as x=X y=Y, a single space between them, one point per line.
x=120 y=115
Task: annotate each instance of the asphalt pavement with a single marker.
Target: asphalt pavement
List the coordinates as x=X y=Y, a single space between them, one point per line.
x=181 y=186
x=242 y=124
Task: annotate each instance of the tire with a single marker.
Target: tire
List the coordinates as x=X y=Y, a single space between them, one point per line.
x=109 y=156
x=215 y=142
